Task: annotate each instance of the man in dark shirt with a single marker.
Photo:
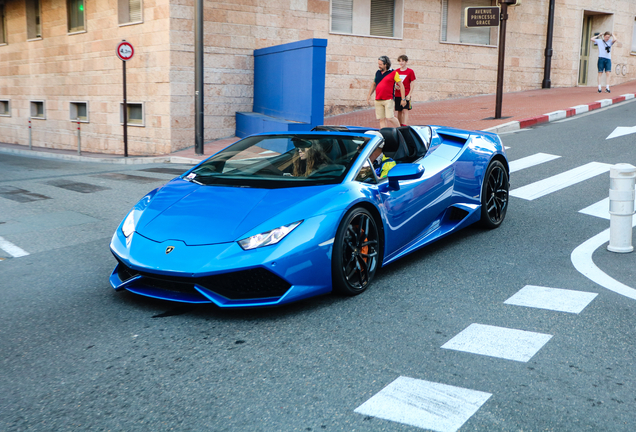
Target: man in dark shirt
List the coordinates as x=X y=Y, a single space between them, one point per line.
x=383 y=85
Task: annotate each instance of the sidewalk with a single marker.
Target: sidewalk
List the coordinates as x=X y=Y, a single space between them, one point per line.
x=476 y=113
x=519 y=110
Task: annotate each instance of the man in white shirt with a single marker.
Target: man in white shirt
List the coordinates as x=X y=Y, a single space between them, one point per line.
x=604 y=45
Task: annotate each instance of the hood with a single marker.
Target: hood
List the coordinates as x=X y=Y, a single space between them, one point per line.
x=203 y=215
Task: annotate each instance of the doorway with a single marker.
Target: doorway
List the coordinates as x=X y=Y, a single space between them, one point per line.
x=585 y=49
x=593 y=24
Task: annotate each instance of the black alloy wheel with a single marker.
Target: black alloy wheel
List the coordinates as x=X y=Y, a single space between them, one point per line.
x=356 y=252
x=494 y=195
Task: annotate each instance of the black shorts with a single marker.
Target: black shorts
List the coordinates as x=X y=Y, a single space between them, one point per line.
x=399 y=107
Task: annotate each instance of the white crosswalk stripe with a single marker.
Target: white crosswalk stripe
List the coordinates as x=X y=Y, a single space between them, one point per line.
x=560 y=181
x=424 y=404
x=501 y=342
x=12 y=249
x=530 y=161
x=555 y=299
x=600 y=209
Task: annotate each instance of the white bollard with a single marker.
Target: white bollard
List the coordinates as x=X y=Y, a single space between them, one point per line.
x=621 y=209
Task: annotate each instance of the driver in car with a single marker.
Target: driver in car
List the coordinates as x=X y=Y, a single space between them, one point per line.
x=311 y=157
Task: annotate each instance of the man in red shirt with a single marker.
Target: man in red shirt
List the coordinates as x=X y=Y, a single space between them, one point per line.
x=385 y=80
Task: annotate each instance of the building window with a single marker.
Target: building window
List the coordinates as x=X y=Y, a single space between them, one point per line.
x=135 y=114
x=3 y=34
x=634 y=37
x=37 y=110
x=367 y=17
x=453 y=29
x=5 y=108
x=129 y=11
x=33 y=16
x=75 y=10
x=79 y=111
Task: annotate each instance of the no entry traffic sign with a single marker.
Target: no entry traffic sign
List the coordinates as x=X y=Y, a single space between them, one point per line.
x=125 y=51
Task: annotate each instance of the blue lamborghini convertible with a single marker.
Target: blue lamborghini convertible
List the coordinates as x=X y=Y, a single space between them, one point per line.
x=279 y=217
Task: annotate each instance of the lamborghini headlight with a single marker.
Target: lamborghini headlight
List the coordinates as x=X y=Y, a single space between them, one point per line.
x=267 y=238
x=130 y=223
x=128 y=226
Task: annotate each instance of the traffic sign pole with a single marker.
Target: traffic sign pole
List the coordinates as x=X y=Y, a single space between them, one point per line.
x=125 y=113
x=125 y=52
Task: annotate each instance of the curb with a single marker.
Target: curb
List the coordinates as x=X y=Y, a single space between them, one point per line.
x=111 y=160
x=558 y=115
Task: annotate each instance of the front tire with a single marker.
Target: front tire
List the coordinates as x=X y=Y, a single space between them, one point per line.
x=494 y=195
x=356 y=252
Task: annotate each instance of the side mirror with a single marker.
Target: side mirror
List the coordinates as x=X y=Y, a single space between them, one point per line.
x=403 y=172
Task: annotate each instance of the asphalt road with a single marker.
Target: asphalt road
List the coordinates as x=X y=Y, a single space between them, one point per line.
x=76 y=356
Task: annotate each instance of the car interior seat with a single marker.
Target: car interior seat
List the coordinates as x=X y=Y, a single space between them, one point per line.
x=395 y=146
x=414 y=142
x=326 y=128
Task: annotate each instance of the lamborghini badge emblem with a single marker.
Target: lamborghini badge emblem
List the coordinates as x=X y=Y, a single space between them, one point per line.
x=169 y=249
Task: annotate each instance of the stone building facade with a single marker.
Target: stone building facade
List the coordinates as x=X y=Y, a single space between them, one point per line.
x=58 y=63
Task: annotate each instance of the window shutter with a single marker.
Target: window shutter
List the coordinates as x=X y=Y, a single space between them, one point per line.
x=473 y=35
x=634 y=37
x=382 y=17
x=444 y=19
x=342 y=16
x=135 y=10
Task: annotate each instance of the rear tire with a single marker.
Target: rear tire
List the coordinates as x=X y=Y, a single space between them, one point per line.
x=494 y=195
x=356 y=252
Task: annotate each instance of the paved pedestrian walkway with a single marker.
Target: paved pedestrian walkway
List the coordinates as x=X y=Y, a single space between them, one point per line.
x=519 y=110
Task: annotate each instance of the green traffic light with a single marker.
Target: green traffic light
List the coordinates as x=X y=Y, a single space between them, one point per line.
x=81 y=7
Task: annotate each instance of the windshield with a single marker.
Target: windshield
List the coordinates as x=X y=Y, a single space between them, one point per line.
x=275 y=161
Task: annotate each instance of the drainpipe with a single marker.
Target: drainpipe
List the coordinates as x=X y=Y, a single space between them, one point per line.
x=548 y=48
x=198 y=78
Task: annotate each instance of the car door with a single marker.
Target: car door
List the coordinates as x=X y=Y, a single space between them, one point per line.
x=414 y=211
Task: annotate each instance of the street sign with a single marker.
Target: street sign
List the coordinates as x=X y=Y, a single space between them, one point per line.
x=125 y=51
x=484 y=16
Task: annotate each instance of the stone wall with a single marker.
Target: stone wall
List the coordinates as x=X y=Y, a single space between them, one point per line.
x=60 y=68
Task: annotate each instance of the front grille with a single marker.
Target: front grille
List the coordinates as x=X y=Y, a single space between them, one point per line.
x=125 y=273
x=170 y=285
x=240 y=285
x=246 y=284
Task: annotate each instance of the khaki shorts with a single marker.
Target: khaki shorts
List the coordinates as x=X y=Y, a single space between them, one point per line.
x=384 y=109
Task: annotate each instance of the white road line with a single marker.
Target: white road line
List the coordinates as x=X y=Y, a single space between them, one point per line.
x=12 y=249
x=560 y=181
x=424 y=404
x=600 y=209
x=531 y=161
x=506 y=343
x=582 y=259
x=621 y=131
x=555 y=299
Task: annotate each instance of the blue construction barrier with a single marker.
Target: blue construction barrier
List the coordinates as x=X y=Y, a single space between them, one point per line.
x=289 y=88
